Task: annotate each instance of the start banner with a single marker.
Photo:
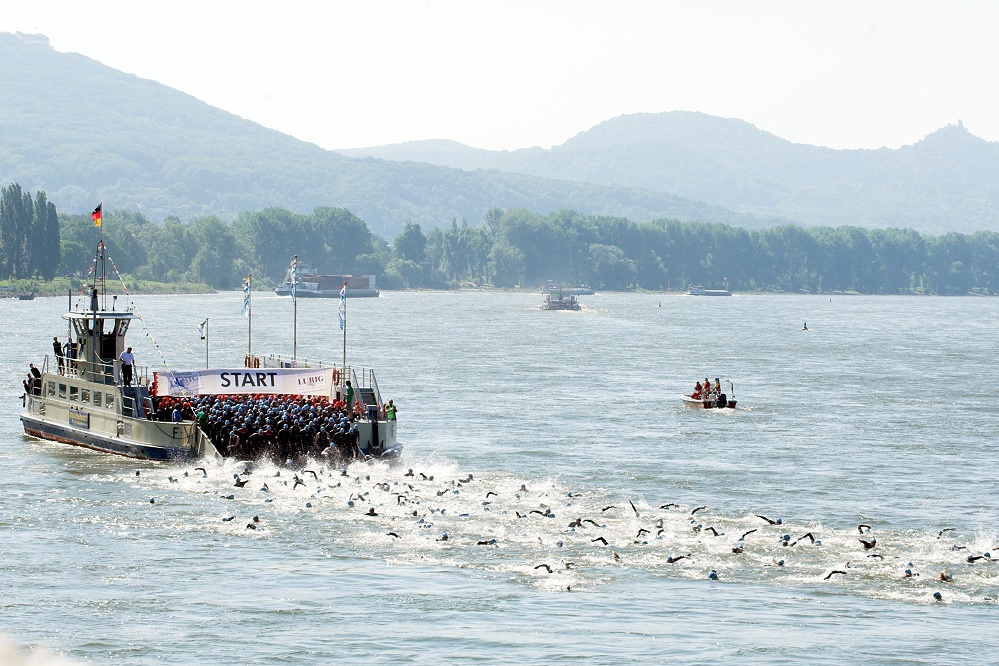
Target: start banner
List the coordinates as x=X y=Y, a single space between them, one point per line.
x=285 y=381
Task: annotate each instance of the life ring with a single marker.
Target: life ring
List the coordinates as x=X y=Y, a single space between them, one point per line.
x=256 y=361
x=246 y=362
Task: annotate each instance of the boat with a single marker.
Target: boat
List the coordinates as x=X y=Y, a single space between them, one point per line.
x=711 y=399
x=559 y=302
x=581 y=290
x=26 y=297
x=699 y=290
x=313 y=285
x=84 y=398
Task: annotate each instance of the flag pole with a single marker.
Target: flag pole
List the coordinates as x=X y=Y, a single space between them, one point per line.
x=343 y=303
x=294 y=302
x=249 y=317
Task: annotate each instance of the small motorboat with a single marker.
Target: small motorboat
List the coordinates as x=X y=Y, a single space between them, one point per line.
x=711 y=398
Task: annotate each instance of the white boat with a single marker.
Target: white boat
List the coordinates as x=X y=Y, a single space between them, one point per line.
x=711 y=399
x=699 y=290
x=81 y=399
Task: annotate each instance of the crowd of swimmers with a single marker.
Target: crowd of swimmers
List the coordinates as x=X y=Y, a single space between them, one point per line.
x=281 y=427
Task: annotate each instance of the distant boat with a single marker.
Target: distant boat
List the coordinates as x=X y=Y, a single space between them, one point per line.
x=26 y=297
x=581 y=290
x=313 y=285
x=560 y=302
x=698 y=290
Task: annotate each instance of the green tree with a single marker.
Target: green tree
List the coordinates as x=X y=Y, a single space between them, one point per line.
x=411 y=244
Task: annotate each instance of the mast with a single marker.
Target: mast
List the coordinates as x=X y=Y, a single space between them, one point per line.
x=343 y=325
x=248 y=312
x=294 y=303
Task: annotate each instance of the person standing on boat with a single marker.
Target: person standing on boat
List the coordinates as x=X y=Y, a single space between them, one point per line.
x=69 y=353
x=127 y=360
x=390 y=411
x=57 y=349
x=349 y=396
x=36 y=379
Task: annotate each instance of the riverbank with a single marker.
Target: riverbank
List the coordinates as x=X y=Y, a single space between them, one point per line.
x=61 y=285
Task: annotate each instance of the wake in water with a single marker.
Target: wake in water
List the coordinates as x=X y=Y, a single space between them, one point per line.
x=557 y=538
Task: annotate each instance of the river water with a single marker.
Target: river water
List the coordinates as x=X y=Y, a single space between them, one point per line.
x=881 y=413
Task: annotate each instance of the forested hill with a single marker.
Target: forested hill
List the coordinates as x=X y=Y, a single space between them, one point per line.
x=943 y=183
x=84 y=133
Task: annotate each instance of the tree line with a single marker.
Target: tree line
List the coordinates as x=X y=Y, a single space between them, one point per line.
x=509 y=248
x=29 y=235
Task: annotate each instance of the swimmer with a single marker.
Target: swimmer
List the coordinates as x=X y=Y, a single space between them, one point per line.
x=938 y=596
x=946 y=529
x=543 y=566
x=491 y=493
x=698 y=509
x=309 y=471
x=298 y=482
x=491 y=542
x=834 y=571
x=945 y=577
x=713 y=531
x=746 y=534
x=371 y=512
x=769 y=520
x=600 y=539
x=409 y=473
x=673 y=560
x=974 y=558
x=738 y=550
x=202 y=470
x=576 y=523
x=869 y=544
x=863 y=529
x=807 y=534
x=637 y=515
x=442 y=537
x=642 y=530
x=667 y=506
x=230 y=518
x=607 y=508
x=591 y=521
x=617 y=558
x=240 y=482
x=713 y=575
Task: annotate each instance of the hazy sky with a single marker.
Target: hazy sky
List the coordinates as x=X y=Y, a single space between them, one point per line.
x=510 y=74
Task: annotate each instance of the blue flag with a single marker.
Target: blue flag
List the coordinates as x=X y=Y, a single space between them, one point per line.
x=294 y=278
x=343 y=306
x=246 y=297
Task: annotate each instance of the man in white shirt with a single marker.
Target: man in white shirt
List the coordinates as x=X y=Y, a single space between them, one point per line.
x=127 y=359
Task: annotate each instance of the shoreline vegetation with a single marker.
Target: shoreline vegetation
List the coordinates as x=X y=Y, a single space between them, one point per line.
x=59 y=287
x=63 y=285
x=509 y=248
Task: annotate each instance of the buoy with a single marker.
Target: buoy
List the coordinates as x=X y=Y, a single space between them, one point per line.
x=804 y=326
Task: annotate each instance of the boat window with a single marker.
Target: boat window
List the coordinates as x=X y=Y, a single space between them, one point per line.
x=62 y=391
x=85 y=396
x=74 y=393
x=50 y=389
x=109 y=403
x=97 y=398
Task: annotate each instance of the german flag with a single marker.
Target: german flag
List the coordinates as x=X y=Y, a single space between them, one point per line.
x=96 y=215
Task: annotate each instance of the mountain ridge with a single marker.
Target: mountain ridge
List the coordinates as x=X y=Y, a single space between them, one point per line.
x=84 y=133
